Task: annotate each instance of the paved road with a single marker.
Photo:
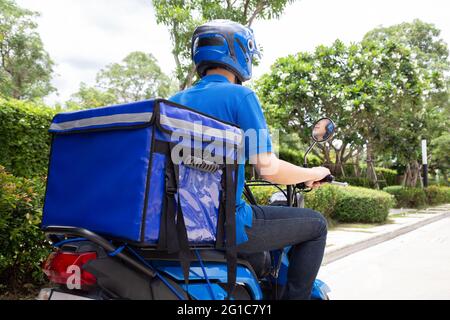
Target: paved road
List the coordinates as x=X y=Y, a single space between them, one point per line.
x=413 y=266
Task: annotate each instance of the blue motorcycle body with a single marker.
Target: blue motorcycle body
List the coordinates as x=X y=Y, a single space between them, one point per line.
x=205 y=278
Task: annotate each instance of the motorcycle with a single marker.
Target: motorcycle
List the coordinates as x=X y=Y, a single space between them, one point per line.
x=87 y=265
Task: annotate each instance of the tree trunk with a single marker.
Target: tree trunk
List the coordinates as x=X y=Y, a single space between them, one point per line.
x=340 y=159
x=189 y=77
x=326 y=153
x=356 y=165
x=342 y=170
x=371 y=174
x=412 y=174
x=406 y=175
x=356 y=169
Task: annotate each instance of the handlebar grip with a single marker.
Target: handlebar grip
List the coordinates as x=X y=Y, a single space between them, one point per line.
x=328 y=178
x=301 y=185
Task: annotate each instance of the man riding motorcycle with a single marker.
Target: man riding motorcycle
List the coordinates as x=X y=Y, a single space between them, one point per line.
x=223 y=52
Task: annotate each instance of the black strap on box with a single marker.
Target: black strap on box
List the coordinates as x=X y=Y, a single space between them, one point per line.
x=230 y=227
x=172 y=232
x=173 y=235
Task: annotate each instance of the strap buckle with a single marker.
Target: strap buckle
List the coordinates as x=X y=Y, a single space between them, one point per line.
x=171 y=190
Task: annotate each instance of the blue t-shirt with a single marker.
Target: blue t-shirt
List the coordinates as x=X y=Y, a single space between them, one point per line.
x=216 y=96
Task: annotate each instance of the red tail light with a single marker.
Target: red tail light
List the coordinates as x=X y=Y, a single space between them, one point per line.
x=66 y=268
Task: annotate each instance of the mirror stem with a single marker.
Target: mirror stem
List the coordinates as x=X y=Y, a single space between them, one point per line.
x=305 y=162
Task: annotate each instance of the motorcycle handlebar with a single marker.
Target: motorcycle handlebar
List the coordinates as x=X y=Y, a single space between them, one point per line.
x=328 y=179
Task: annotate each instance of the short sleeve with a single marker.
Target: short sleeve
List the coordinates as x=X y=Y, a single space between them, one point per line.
x=251 y=119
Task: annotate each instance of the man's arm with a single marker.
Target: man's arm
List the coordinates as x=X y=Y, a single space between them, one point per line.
x=274 y=170
x=269 y=167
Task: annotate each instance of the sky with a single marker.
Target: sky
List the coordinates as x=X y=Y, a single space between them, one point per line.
x=83 y=36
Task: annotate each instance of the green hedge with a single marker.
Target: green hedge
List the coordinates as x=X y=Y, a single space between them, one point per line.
x=349 y=204
x=323 y=200
x=23 y=247
x=418 y=197
x=262 y=194
x=437 y=195
x=296 y=157
x=24 y=140
x=357 y=181
x=390 y=177
x=389 y=174
x=356 y=204
x=408 y=197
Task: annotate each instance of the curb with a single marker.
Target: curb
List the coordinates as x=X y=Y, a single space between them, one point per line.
x=342 y=252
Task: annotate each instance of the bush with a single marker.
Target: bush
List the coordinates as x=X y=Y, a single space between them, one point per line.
x=442 y=183
x=24 y=140
x=262 y=194
x=349 y=204
x=389 y=175
x=358 y=181
x=323 y=200
x=364 y=182
x=437 y=195
x=418 y=197
x=407 y=197
x=22 y=244
x=296 y=157
x=356 y=204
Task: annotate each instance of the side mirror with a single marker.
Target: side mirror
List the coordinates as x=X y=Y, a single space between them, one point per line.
x=323 y=130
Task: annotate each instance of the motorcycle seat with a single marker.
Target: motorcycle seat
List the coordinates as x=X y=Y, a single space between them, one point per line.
x=260 y=262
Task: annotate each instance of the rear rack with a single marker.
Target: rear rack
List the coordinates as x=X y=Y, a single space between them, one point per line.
x=52 y=231
x=208 y=255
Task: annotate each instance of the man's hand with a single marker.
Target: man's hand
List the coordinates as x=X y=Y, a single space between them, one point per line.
x=320 y=173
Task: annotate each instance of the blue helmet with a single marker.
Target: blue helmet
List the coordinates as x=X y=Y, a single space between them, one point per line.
x=225 y=44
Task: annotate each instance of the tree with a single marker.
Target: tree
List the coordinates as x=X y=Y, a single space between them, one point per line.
x=391 y=95
x=440 y=154
x=439 y=157
x=181 y=17
x=384 y=93
x=372 y=91
x=90 y=97
x=137 y=77
x=419 y=112
x=422 y=38
x=304 y=87
x=25 y=67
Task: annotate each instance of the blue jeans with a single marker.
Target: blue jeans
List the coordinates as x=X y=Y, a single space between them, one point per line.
x=275 y=227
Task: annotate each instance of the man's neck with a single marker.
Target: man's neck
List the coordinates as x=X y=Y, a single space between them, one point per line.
x=223 y=72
